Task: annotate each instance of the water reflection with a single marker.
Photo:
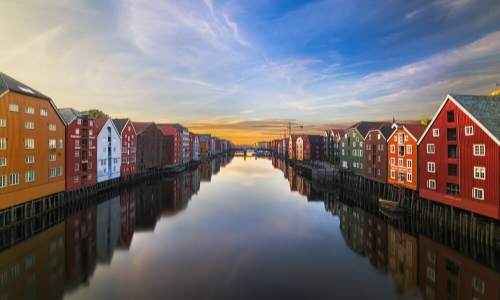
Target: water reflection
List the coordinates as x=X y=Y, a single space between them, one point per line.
x=275 y=244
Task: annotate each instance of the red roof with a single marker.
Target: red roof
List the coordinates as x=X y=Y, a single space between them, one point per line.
x=100 y=122
x=416 y=130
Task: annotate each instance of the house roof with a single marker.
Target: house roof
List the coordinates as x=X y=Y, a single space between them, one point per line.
x=484 y=110
x=69 y=114
x=100 y=122
x=363 y=127
x=120 y=124
x=141 y=126
x=204 y=137
x=315 y=139
x=176 y=125
x=9 y=83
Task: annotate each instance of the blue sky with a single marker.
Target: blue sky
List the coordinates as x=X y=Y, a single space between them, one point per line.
x=223 y=66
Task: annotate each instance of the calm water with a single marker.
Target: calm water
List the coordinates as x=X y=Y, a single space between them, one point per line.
x=235 y=229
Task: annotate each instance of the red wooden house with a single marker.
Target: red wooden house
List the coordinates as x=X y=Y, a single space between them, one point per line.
x=174 y=143
x=129 y=146
x=314 y=148
x=460 y=154
x=81 y=144
x=376 y=153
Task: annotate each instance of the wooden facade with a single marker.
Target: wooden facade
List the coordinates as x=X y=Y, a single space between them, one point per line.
x=314 y=148
x=108 y=150
x=460 y=156
x=376 y=153
x=32 y=140
x=128 y=149
x=403 y=156
x=81 y=149
x=376 y=241
x=403 y=264
x=174 y=147
x=151 y=145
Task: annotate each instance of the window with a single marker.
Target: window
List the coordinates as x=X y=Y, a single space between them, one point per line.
x=378 y=171
x=14 y=179
x=43 y=112
x=469 y=130
x=30 y=262
x=360 y=152
x=409 y=149
x=452 y=267
x=77 y=153
x=90 y=152
x=115 y=160
x=400 y=162
x=52 y=172
x=452 y=151
x=430 y=148
x=52 y=127
x=435 y=132
x=408 y=177
x=60 y=171
x=60 y=144
x=3 y=143
x=29 y=159
x=451 y=134
x=124 y=159
x=429 y=293
x=478 y=194
x=3 y=162
x=452 y=170
x=13 y=107
x=90 y=166
x=431 y=167
x=90 y=143
x=478 y=284
x=360 y=144
x=75 y=180
x=91 y=132
x=91 y=123
x=29 y=176
x=132 y=159
x=14 y=271
x=378 y=158
x=409 y=163
x=77 y=143
x=393 y=174
x=431 y=274
x=393 y=149
x=431 y=256
x=103 y=150
x=77 y=167
x=90 y=175
x=3 y=181
x=450 y=116
x=3 y=123
x=77 y=130
x=431 y=184
x=52 y=157
x=401 y=177
x=52 y=144
x=452 y=189
x=452 y=287
x=29 y=110
x=29 y=125
x=124 y=150
x=479 y=150
x=29 y=143
x=401 y=150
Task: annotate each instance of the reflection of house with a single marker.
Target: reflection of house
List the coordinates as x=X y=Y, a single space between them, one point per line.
x=216 y=166
x=206 y=171
x=148 y=207
x=352 y=226
x=447 y=274
x=34 y=268
x=376 y=241
x=305 y=188
x=127 y=218
x=292 y=179
x=403 y=263
x=81 y=252
x=108 y=228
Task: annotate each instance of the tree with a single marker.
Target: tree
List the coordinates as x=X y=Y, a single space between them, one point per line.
x=426 y=121
x=95 y=113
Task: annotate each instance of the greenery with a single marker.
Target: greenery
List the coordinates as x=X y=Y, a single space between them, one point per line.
x=426 y=121
x=95 y=113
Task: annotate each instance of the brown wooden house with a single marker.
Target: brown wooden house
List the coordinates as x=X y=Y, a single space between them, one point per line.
x=151 y=145
x=376 y=153
x=32 y=140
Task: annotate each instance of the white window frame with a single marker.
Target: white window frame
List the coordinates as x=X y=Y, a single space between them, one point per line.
x=13 y=107
x=60 y=171
x=43 y=112
x=29 y=159
x=431 y=167
x=431 y=274
x=480 y=173
x=52 y=127
x=52 y=144
x=431 y=184
x=3 y=123
x=478 y=193
x=409 y=163
x=52 y=157
x=3 y=181
x=29 y=143
x=435 y=132
x=52 y=172
x=13 y=179
x=400 y=162
x=409 y=149
x=29 y=176
x=3 y=161
x=60 y=144
x=393 y=149
x=29 y=125
x=479 y=149
x=469 y=130
x=409 y=177
x=3 y=143
x=431 y=148
x=393 y=174
x=29 y=110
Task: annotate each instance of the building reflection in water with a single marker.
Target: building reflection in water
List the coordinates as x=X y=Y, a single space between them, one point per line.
x=402 y=259
x=352 y=225
x=376 y=241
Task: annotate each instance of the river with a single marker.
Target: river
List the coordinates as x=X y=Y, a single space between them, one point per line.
x=240 y=228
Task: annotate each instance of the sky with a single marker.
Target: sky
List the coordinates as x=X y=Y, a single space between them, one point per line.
x=222 y=67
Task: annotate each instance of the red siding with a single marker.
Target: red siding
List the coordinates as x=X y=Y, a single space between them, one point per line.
x=376 y=148
x=129 y=143
x=466 y=161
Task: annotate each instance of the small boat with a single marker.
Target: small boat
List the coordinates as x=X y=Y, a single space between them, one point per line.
x=391 y=206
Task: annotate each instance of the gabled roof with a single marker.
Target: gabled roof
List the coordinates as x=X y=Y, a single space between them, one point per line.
x=141 y=126
x=120 y=124
x=415 y=131
x=363 y=127
x=69 y=114
x=176 y=125
x=315 y=139
x=101 y=122
x=9 y=83
x=483 y=110
x=338 y=131
x=204 y=137
x=385 y=129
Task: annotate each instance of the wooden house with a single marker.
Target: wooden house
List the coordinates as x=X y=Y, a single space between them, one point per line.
x=108 y=150
x=173 y=150
x=205 y=145
x=403 y=264
x=460 y=154
x=151 y=145
x=81 y=149
x=181 y=145
x=32 y=139
x=129 y=146
x=376 y=153
x=376 y=241
x=403 y=155
x=331 y=139
x=352 y=154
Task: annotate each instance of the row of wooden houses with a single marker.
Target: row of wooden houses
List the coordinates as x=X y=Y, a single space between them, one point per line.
x=45 y=150
x=453 y=161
